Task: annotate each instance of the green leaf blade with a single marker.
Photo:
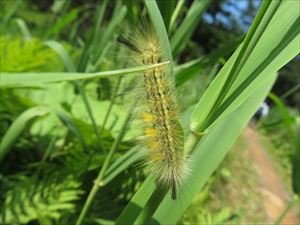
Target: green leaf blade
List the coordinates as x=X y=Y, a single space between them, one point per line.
x=32 y=79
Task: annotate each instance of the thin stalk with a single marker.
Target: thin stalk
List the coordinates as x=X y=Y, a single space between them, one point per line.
x=112 y=102
x=285 y=211
x=100 y=177
x=90 y=113
x=290 y=91
x=100 y=13
x=175 y=14
x=83 y=62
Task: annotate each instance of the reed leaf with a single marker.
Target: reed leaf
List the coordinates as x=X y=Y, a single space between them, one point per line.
x=33 y=79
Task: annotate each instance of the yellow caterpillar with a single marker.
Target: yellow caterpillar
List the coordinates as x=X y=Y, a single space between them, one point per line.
x=162 y=132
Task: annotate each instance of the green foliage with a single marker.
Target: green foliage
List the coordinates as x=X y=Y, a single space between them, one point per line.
x=184 y=32
x=64 y=21
x=18 y=126
x=282 y=126
x=31 y=55
x=11 y=106
x=239 y=77
x=86 y=143
x=206 y=217
x=44 y=200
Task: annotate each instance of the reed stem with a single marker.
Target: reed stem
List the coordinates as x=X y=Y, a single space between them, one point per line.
x=101 y=174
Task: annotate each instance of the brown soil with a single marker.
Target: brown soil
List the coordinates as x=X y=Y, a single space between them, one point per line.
x=274 y=197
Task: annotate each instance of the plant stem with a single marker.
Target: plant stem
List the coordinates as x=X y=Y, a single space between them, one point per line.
x=175 y=14
x=98 y=181
x=112 y=102
x=290 y=91
x=87 y=203
x=190 y=143
x=90 y=113
x=285 y=211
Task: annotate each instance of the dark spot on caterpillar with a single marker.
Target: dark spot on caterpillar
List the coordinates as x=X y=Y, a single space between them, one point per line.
x=127 y=43
x=173 y=190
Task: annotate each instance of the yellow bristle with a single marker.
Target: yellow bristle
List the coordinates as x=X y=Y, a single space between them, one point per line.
x=155 y=157
x=150 y=132
x=153 y=145
x=147 y=117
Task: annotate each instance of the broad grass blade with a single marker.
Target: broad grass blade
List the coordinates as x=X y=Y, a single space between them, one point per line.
x=277 y=45
x=166 y=9
x=63 y=54
x=187 y=71
x=159 y=25
x=19 y=124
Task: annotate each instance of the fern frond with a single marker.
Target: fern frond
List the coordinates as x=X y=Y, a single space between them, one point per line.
x=21 y=56
x=43 y=200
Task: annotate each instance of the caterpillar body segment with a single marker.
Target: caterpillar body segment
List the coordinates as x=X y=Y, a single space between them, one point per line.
x=163 y=138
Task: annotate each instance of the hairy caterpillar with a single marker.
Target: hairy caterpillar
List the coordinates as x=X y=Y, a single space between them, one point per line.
x=163 y=136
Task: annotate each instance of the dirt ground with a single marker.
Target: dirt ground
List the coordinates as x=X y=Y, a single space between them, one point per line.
x=274 y=197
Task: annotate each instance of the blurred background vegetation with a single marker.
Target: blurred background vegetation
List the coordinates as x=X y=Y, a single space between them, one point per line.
x=46 y=176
